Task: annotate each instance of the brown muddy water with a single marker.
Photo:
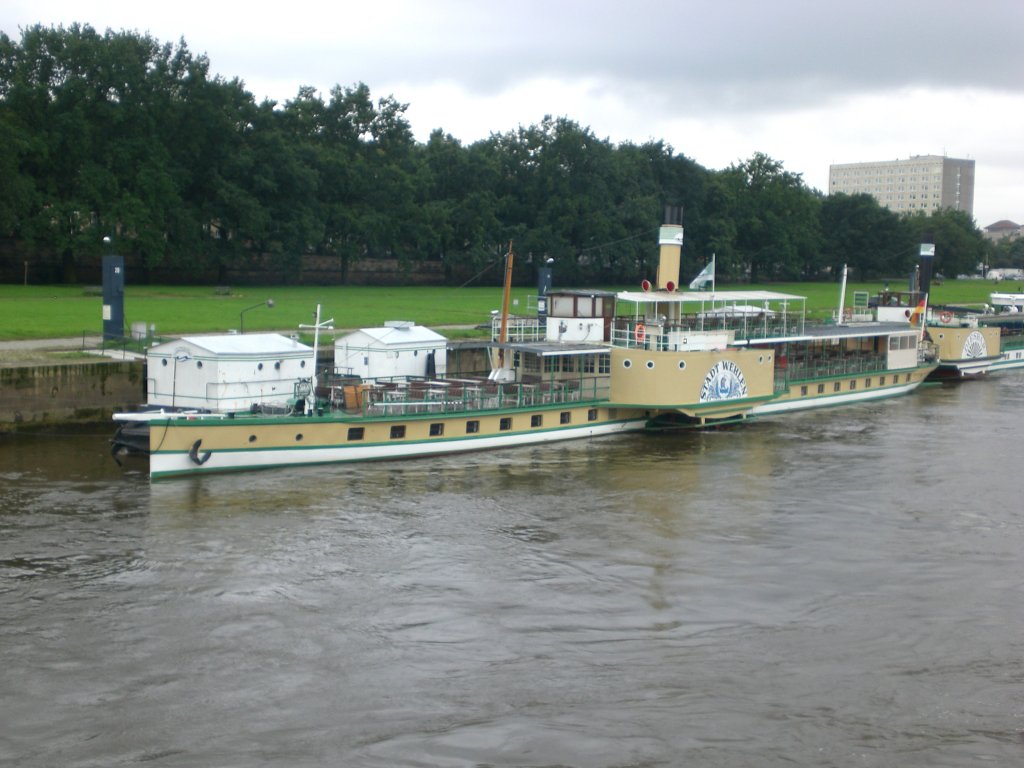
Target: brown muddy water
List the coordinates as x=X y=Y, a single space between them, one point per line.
x=843 y=588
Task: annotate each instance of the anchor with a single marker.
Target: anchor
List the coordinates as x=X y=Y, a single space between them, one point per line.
x=193 y=453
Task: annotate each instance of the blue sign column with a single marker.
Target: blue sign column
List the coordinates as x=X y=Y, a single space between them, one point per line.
x=113 y=297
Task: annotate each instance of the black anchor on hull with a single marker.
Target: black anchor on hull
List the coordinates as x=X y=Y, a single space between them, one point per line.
x=193 y=453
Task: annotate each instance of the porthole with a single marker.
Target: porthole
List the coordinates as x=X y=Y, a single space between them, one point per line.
x=650 y=365
x=199 y=363
x=259 y=367
x=298 y=438
x=760 y=359
x=252 y=438
x=277 y=366
x=682 y=365
x=164 y=361
x=302 y=364
x=627 y=363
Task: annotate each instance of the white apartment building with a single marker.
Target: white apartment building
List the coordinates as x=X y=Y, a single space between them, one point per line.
x=921 y=183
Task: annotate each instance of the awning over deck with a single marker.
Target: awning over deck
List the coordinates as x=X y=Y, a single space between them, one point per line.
x=705 y=297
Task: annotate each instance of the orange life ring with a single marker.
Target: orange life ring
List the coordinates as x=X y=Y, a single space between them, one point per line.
x=640 y=332
x=946 y=317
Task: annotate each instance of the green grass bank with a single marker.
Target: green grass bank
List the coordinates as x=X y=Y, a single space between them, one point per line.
x=56 y=311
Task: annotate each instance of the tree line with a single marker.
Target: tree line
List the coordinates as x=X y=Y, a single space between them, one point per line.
x=121 y=135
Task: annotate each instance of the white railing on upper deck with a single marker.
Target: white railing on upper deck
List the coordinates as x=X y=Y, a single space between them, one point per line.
x=520 y=329
x=694 y=332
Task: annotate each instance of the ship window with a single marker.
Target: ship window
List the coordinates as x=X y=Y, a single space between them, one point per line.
x=164 y=361
x=277 y=366
x=650 y=365
x=398 y=432
x=627 y=363
x=199 y=363
x=259 y=367
x=505 y=424
x=836 y=387
x=252 y=438
x=881 y=381
x=565 y=417
x=298 y=438
x=302 y=364
x=853 y=384
x=604 y=363
x=355 y=433
x=592 y=414
x=472 y=427
x=536 y=420
x=803 y=391
x=821 y=389
x=867 y=382
x=437 y=429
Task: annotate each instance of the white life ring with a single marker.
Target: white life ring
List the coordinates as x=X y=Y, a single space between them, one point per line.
x=946 y=317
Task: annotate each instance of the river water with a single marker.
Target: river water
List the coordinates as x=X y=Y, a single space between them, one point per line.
x=843 y=588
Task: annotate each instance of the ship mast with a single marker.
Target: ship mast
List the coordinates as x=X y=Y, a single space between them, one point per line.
x=500 y=373
x=316 y=327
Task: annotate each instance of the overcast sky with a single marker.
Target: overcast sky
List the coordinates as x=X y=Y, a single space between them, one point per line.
x=807 y=82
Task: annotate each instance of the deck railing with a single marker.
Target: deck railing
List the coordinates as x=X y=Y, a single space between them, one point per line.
x=853 y=365
x=440 y=396
x=667 y=336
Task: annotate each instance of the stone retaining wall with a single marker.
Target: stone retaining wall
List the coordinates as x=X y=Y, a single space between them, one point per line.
x=66 y=393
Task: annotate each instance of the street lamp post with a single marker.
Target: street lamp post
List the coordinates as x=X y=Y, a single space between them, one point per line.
x=241 y=315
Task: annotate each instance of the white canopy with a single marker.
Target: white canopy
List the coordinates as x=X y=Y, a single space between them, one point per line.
x=705 y=297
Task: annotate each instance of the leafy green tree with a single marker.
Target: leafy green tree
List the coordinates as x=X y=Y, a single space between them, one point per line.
x=774 y=222
x=959 y=244
x=870 y=239
x=1008 y=252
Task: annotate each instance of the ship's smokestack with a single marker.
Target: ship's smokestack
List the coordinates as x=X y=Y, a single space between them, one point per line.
x=927 y=261
x=670 y=243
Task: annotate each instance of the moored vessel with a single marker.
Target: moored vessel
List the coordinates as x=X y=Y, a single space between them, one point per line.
x=594 y=363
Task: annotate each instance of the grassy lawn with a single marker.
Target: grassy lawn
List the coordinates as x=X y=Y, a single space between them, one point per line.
x=37 y=312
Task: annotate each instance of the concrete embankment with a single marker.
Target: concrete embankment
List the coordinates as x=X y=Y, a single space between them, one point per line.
x=43 y=386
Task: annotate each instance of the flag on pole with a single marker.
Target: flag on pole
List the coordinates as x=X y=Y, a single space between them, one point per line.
x=707 y=275
x=918 y=310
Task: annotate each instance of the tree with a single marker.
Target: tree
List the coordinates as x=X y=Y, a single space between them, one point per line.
x=858 y=232
x=959 y=244
x=774 y=222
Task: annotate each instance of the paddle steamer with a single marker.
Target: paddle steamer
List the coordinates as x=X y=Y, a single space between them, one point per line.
x=594 y=363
